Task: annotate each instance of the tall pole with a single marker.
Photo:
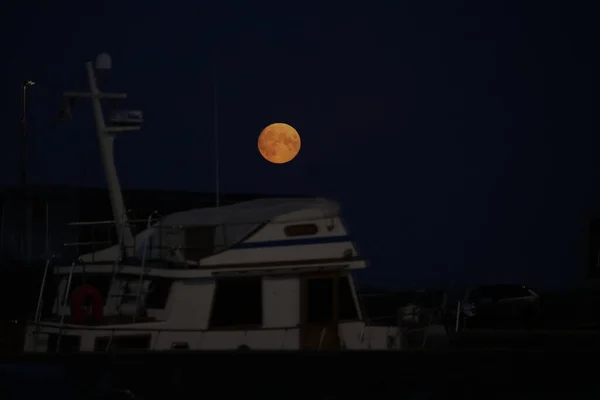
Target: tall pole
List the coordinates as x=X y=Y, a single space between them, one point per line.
x=23 y=139
x=27 y=220
x=216 y=139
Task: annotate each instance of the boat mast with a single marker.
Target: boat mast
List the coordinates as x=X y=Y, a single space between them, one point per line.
x=106 y=137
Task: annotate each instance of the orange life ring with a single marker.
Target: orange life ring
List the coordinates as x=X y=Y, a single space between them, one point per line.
x=79 y=311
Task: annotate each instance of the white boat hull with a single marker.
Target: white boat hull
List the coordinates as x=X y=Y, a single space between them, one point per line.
x=352 y=335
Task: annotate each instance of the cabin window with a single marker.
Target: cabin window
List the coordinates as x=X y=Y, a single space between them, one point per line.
x=63 y=343
x=319 y=301
x=125 y=342
x=158 y=293
x=199 y=242
x=237 y=302
x=301 y=230
x=320 y=307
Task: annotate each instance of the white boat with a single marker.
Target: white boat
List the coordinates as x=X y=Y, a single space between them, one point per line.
x=267 y=274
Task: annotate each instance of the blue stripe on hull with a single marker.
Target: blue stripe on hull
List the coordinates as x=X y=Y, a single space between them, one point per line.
x=293 y=242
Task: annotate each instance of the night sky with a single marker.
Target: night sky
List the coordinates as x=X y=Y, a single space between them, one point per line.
x=458 y=136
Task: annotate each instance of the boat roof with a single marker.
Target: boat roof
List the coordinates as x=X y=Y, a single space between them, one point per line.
x=251 y=212
x=67 y=204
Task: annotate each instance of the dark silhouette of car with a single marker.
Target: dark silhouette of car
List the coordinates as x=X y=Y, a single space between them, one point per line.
x=501 y=306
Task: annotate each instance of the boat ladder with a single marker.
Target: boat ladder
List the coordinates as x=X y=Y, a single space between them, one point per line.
x=144 y=268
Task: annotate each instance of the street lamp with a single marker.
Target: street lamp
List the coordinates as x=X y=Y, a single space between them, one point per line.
x=26 y=237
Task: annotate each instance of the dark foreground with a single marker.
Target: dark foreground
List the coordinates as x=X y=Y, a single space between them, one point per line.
x=441 y=374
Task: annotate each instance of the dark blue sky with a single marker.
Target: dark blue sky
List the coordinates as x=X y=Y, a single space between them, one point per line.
x=458 y=136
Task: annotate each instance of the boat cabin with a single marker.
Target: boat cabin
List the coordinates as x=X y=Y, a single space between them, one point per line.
x=264 y=274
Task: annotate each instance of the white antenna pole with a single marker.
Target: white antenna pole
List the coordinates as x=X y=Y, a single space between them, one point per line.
x=216 y=139
x=106 y=140
x=106 y=137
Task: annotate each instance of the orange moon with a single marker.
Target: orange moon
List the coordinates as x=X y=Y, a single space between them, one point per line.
x=279 y=143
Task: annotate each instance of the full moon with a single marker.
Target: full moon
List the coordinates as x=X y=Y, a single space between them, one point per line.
x=279 y=143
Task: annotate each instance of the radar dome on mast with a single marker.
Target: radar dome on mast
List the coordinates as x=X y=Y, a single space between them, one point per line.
x=103 y=61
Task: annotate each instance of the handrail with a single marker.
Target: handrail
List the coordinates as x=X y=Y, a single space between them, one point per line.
x=91 y=223
x=323 y=331
x=458 y=311
x=112 y=335
x=40 y=296
x=75 y=244
x=142 y=269
x=125 y=328
x=66 y=299
x=228 y=223
x=38 y=309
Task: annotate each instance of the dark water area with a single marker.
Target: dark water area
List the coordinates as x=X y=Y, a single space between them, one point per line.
x=35 y=381
x=470 y=374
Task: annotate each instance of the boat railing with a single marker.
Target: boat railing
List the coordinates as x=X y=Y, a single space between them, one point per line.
x=95 y=236
x=197 y=242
